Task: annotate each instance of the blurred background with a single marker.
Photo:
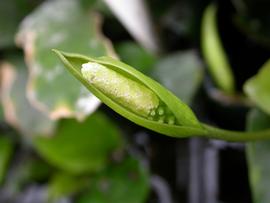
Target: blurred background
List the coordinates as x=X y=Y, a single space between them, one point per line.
x=60 y=144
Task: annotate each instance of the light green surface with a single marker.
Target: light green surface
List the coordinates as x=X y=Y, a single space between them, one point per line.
x=129 y=93
x=214 y=53
x=257 y=88
x=80 y=147
x=258 y=158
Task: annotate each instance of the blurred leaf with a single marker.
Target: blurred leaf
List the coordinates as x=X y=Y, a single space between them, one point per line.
x=88 y=3
x=65 y=25
x=134 y=55
x=258 y=158
x=125 y=182
x=181 y=22
x=257 y=88
x=214 y=52
x=182 y=69
x=36 y=170
x=29 y=169
x=63 y=184
x=96 y=5
x=6 y=150
x=19 y=113
x=1 y=112
x=11 y=13
x=80 y=147
x=1 y=93
x=1 y=107
x=135 y=17
x=254 y=19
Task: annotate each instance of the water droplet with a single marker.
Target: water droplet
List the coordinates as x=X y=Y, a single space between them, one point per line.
x=152 y=113
x=171 y=120
x=160 y=111
x=161 y=119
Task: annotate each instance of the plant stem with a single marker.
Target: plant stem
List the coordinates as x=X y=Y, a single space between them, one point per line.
x=235 y=136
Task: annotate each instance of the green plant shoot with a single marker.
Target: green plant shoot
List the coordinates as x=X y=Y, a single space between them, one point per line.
x=144 y=101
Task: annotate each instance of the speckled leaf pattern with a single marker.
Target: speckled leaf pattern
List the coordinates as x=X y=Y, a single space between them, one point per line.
x=19 y=113
x=258 y=158
x=80 y=147
x=257 y=88
x=181 y=73
x=125 y=182
x=59 y=24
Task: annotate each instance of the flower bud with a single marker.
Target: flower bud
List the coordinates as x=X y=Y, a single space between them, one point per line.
x=127 y=92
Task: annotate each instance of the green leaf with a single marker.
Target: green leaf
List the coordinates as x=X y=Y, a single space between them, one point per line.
x=1 y=107
x=19 y=113
x=214 y=52
x=80 y=147
x=6 y=150
x=257 y=88
x=66 y=25
x=29 y=169
x=186 y=122
x=181 y=73
x=1 y=95
x=64 y=184
x=34 y=169
x=258 y=158
x=11 y=14
x=127 y=182
x=136 y=56
x=1 y=112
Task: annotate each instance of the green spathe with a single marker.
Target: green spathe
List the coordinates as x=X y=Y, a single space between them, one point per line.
x=171 y=116
x=129 y=93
